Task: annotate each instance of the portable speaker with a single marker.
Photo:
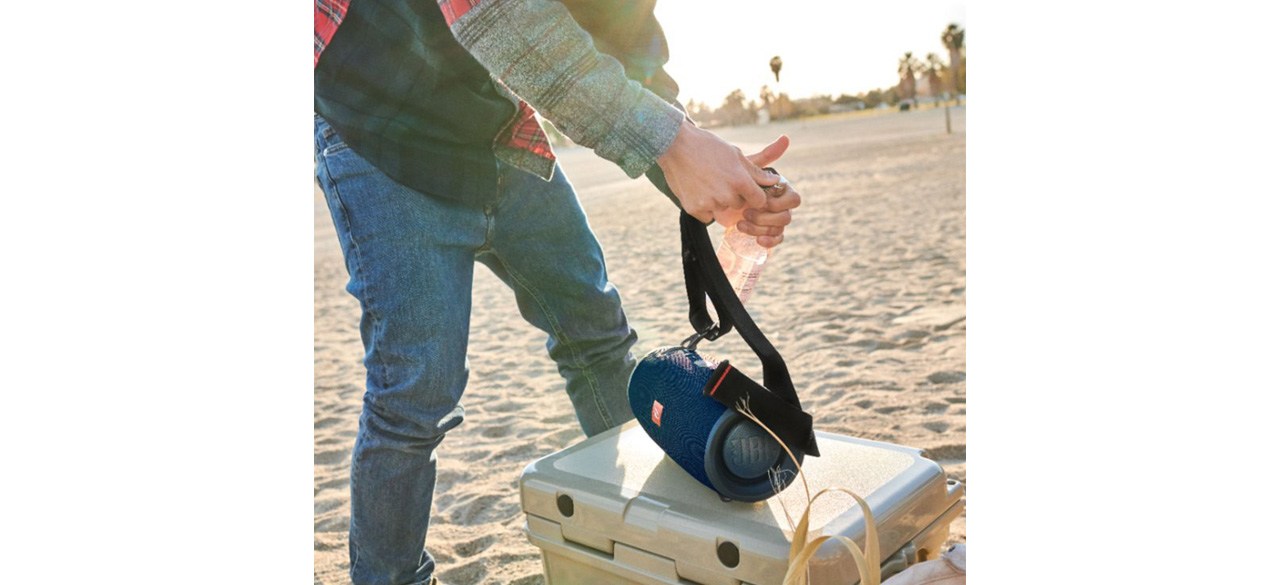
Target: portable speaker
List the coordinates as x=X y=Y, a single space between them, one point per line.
x=717 y=446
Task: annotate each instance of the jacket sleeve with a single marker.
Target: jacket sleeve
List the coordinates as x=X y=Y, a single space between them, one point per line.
x=538 y=50
x=628 y=31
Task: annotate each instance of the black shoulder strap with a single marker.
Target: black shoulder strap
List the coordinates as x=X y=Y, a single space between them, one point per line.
x=703 y=278
x=710 y=281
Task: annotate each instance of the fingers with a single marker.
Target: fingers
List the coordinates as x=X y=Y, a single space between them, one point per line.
x=759 y=231
x=769 y=222
x=769 y=194
x=789 y=199
x=750 y=198
x=752 y=191
x=749 y=190
x=761 y=177
x=728 y=217
x=767 y=218
x=770 y=153
x=769 y=241
x=764 y=223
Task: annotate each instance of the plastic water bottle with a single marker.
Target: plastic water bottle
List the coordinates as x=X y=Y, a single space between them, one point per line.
x=741 y=257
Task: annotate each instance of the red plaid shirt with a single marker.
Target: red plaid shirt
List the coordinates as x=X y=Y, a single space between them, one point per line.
x=523 y=133
x=329 y=14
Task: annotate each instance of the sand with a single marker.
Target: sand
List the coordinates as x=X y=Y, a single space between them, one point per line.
x=865 y=300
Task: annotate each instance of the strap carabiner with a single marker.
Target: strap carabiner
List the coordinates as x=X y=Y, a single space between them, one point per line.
x=691 y=342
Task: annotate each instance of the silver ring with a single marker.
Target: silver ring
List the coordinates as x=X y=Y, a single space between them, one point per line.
x=777 y=189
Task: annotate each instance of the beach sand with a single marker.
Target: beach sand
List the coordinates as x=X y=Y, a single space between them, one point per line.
x=865 y=299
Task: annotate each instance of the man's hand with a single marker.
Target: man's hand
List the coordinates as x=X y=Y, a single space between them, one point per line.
x=766 y=223
x=710 y=176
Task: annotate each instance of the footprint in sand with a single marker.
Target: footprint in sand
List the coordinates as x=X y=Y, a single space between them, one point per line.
x=936 y=426
x=874 y=344
x=471 y=548
x=471 y=572
x=912 y=334
x=946 y=377
x=335 y=483
x=936 y=408
x=557 y=420
x=522 y=450
x=331 y=541
x=327 y=422
x=946 y=452
x=331 y=457
x=504 y=406
x=486 y=508
x=336 y=523
x=327 y=504
x=559 y=439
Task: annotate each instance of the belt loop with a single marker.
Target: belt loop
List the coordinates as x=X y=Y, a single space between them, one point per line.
x=326 y=128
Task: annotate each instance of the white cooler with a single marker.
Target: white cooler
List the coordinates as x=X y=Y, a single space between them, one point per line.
x=615 y=509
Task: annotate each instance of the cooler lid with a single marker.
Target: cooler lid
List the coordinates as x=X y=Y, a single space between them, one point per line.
x=620 y=487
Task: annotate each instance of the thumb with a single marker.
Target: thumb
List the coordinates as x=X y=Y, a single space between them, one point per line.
x=770 y=153
x=762 y=177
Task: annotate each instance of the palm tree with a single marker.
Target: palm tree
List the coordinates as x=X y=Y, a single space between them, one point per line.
x=907 y=66
x=775 y=64
x=934 y=69
x=953 y=40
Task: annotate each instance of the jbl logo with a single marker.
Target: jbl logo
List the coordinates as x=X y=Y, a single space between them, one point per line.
x=748 y=451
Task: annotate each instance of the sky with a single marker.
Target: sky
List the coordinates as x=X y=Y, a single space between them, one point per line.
x=827 y=46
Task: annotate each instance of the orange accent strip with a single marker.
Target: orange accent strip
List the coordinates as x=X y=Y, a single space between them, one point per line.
x=722 y=376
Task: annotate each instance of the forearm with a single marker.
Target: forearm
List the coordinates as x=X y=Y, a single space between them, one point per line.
x=537 y=49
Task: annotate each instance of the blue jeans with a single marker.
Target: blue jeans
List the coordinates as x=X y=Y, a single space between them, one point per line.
x=410 y=259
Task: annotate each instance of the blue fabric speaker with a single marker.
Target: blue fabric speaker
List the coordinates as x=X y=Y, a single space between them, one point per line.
x=717 y=446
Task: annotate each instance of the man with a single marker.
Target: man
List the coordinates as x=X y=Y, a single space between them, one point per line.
x=430 y=162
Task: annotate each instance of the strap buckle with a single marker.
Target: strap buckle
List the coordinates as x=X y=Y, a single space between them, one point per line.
x=711 y=333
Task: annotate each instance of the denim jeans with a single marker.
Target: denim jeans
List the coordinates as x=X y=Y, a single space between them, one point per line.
x=410 y=259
